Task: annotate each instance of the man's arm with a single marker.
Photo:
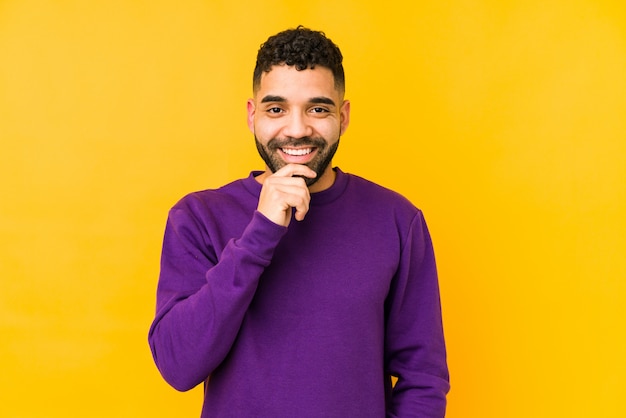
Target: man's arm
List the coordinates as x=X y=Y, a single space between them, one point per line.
x=202 y=297
x=415 y=348
x=201 y=302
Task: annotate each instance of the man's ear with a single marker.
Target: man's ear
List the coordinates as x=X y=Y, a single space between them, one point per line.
x=344 y=116
x=251 y=111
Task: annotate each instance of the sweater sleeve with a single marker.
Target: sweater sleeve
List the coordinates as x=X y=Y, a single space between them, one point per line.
x=415 y=350
x=202 y=297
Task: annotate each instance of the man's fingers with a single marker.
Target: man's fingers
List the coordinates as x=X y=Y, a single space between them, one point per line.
x=281 y=192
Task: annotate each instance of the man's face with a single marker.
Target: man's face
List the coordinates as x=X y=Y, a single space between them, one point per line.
x=297 y=117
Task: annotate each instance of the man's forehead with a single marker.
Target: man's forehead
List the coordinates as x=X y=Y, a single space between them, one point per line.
x=284 y=77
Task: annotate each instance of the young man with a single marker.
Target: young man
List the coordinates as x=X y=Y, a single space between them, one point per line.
x=300 y=290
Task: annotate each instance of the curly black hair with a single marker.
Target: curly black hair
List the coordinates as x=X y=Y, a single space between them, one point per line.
x=302 y=48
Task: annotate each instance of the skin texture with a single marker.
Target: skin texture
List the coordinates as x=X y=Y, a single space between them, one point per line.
x=295 y=112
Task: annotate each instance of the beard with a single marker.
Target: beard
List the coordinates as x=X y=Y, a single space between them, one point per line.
x=325 y=154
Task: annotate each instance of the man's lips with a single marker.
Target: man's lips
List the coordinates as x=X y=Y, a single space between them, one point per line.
x=299 y=155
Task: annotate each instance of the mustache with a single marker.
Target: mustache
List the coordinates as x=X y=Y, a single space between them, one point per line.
x=276 y=143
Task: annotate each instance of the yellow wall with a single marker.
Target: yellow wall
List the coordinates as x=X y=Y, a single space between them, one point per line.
x=504 y=121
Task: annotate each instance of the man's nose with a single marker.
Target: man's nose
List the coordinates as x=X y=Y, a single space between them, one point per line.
x=298 y=126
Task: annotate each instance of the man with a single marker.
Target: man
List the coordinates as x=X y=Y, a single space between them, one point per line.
x=300 y=290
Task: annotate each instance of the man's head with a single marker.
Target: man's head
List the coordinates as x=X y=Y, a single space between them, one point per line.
x=303 y=49
x=298 y=111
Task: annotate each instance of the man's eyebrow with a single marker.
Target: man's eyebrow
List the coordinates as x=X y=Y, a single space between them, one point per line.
x=322 y=100
x=313 y=100
x=270 y=99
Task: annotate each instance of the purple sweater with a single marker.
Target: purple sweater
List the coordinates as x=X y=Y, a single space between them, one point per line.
x=305 y=321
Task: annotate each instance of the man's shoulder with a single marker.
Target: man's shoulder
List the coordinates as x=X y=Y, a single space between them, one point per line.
x=373 y=191
x=236 y=191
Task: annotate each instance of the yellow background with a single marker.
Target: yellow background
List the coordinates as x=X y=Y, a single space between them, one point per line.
x=504 y=121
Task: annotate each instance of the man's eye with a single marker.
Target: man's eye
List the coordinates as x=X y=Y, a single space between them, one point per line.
x=319 y=110
x=274 y=110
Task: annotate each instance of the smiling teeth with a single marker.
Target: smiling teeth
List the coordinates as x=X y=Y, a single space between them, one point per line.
x=297 y=152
